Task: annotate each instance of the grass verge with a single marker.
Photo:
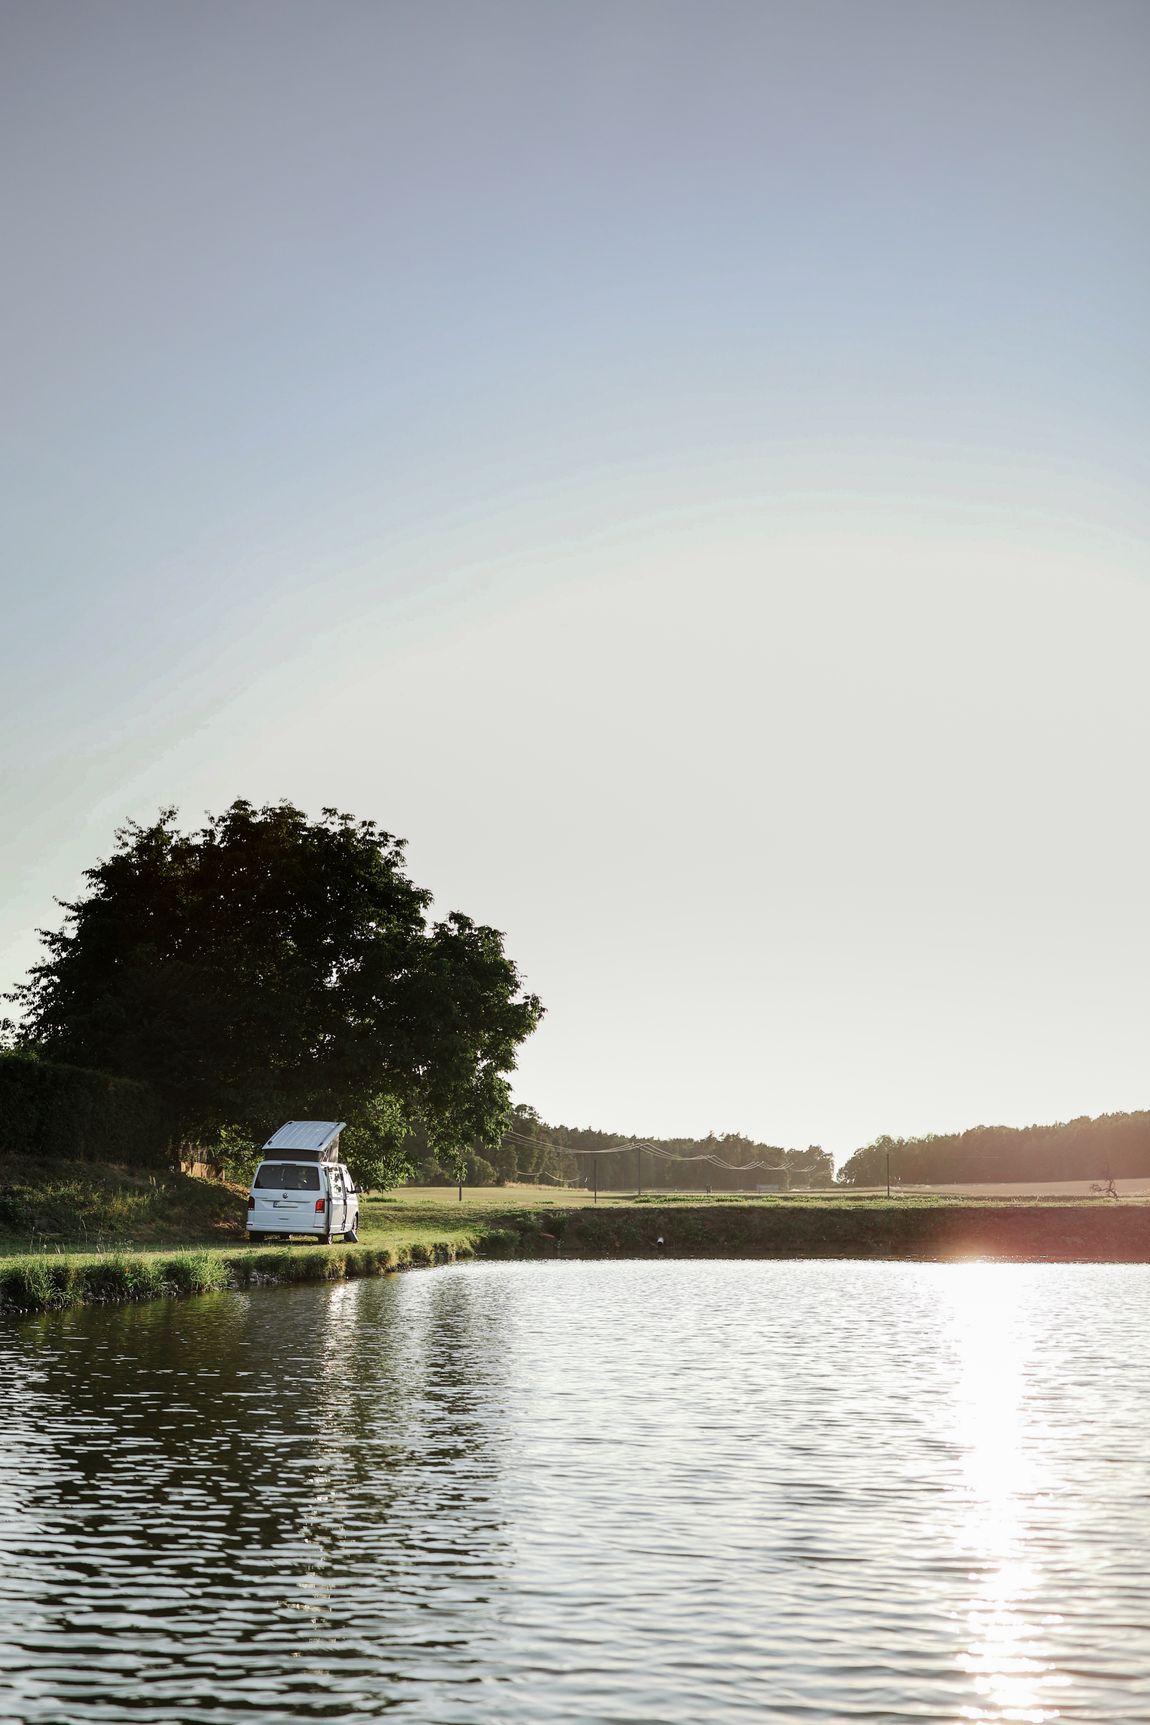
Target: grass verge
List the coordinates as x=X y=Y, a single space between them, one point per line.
x=50 y=1281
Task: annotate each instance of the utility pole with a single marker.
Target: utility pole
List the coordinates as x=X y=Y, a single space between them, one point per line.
x=595 y=1177
x=888 y=1173
x=639 y=1170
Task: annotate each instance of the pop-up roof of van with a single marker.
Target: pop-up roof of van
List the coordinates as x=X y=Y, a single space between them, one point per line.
x=313 y=1135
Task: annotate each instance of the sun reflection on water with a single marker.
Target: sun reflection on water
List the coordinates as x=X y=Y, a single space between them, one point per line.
x=996 y=1429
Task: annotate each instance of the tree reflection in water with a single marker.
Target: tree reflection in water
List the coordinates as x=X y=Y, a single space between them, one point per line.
x=324 y=1454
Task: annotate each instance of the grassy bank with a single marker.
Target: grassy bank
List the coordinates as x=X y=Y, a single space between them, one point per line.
x=95 y=1206
x=931 y=1229
x=48 y=1281
x=81 y=1235
x=78 y=1234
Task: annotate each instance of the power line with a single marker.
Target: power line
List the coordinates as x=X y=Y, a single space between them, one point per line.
x=653 y=1149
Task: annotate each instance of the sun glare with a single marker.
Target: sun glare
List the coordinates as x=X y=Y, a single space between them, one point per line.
x=1004 y=1650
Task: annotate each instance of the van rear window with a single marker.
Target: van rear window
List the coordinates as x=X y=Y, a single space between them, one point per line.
x=288 y=1176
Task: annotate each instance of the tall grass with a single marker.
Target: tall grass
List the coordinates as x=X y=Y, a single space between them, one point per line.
x=93 y=1206
x=45 y=1282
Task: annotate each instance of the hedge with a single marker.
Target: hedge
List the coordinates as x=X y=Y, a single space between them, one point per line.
x=67 y=1112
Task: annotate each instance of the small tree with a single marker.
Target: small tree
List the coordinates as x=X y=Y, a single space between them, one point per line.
x=268 y=967
x=378 y=1145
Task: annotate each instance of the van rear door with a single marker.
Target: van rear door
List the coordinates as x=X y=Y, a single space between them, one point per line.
x=286 y=1194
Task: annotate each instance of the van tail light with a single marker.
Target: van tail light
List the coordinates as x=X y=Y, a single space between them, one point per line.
x=320 y=1206
x=251 y=1200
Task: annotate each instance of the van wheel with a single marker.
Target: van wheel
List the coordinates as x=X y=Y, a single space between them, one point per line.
x=351 y=1238
x=255 y=1237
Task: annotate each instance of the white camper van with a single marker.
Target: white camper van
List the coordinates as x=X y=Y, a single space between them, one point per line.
x=302 y=1187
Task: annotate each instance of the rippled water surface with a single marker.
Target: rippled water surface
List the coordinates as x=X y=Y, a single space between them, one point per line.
x=659 y=1492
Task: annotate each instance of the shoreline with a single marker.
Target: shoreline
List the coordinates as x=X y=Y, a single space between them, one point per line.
x=52 y=1282
x=1015 y=1233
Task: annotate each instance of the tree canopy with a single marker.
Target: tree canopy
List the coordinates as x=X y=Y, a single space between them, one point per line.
x=269 y=967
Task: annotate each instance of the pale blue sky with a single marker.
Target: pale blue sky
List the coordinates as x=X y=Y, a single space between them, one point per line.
x=684 y=466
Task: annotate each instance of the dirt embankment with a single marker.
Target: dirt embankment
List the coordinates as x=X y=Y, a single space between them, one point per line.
x=1058 y=1233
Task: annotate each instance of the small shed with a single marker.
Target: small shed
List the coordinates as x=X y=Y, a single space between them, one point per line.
x=307 y=1141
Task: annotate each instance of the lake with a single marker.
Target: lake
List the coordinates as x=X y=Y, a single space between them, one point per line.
x=626 y=1491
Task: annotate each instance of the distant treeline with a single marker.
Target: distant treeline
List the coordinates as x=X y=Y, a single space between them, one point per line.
x=531 y=1150
x=1114 y=1145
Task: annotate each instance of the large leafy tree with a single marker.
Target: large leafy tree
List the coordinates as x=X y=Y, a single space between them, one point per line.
x=269 y=967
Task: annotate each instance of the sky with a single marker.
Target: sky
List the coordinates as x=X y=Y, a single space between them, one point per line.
x=682 y=466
